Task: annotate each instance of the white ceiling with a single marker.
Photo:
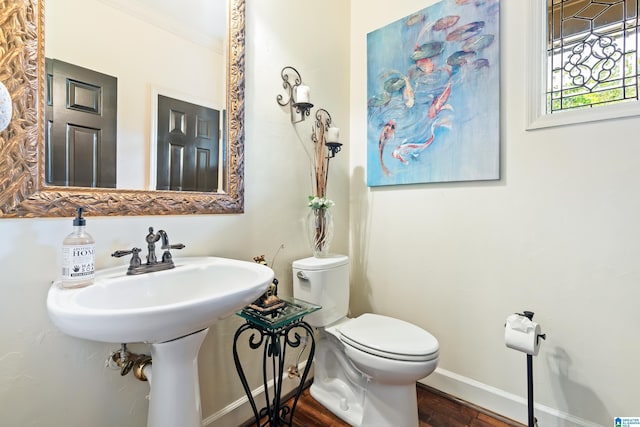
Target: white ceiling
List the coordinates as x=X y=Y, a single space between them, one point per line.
x=202 y=21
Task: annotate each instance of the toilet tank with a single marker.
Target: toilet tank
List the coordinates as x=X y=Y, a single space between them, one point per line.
x=323 y=281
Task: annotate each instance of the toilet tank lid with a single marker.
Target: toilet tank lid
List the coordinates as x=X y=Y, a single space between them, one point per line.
x=313 y=263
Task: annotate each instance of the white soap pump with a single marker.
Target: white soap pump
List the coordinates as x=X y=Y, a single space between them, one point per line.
x=78 y=255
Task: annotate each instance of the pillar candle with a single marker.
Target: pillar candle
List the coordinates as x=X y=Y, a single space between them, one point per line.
x=333 y=134
x=302 y=94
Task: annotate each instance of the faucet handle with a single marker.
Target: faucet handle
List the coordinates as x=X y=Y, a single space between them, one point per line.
x=166 y=256
x=135 y=259
x=121 y=253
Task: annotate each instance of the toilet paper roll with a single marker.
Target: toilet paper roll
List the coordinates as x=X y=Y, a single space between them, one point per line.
x=522 y=334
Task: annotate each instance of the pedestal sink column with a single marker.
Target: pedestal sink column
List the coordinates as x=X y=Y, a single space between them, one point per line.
x=175 y=389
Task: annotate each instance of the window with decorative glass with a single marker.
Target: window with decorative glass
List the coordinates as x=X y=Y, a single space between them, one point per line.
x=589 y=62
x=591 y=52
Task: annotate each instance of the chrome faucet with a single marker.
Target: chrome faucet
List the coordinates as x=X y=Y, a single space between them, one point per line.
x=137 y=267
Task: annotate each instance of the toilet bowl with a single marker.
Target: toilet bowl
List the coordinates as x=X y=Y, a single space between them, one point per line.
x=366 y=367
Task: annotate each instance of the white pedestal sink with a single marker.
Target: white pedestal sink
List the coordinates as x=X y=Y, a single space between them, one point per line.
x=169 y=309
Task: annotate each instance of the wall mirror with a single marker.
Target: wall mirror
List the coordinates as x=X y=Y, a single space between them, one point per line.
x=23 y=188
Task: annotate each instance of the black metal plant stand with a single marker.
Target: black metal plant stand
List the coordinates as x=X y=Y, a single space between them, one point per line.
x=276 y=332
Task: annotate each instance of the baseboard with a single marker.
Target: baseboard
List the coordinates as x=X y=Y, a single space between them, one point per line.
x=239 y=412
x=499 y=401
x=482 y=395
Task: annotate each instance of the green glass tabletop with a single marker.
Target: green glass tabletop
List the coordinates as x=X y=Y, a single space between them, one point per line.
x=292 y=310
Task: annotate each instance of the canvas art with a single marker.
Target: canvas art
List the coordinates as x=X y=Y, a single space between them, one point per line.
x=433 y=89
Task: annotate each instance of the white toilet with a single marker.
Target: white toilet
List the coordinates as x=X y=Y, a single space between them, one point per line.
x=366 y=368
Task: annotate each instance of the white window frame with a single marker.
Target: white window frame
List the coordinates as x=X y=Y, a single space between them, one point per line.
x=536 y=76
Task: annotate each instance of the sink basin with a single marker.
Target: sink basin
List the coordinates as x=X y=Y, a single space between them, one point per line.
x=159 y=306
x=169 y=309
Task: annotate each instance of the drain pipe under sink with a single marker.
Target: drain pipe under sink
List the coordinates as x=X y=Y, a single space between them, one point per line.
x=142 y=368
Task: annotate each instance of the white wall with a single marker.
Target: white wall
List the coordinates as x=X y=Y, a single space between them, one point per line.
x=557 y=234
x=49 y=379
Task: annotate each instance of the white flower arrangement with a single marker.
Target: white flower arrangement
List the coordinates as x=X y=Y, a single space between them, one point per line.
x=316 y=202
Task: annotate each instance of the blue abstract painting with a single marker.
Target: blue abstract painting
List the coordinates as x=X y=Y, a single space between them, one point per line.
x=433 y=89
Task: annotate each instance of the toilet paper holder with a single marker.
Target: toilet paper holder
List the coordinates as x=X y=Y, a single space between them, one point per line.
x=529 y=315
x=532 y=421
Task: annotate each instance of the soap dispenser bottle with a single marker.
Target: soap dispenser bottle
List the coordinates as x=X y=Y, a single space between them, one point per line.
x=78 y=255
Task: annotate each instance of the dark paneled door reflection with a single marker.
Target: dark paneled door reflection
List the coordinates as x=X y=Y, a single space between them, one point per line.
x=188 y=146
x=80 y=126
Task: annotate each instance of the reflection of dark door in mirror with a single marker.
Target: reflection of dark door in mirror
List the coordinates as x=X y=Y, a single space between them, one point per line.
x=80 y=131
x=188 y=144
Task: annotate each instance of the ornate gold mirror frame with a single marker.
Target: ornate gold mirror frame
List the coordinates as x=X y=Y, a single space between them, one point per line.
x=23 y=192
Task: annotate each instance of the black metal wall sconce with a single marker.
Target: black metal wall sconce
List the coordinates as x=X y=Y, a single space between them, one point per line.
x=324 y=130
x=297 y=96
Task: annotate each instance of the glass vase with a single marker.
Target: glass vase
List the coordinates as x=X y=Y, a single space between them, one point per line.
x=320 y=231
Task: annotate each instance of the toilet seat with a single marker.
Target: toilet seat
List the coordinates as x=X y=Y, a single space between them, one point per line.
x=389 y=338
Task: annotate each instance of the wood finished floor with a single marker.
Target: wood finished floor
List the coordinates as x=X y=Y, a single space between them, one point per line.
x=435 y=409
